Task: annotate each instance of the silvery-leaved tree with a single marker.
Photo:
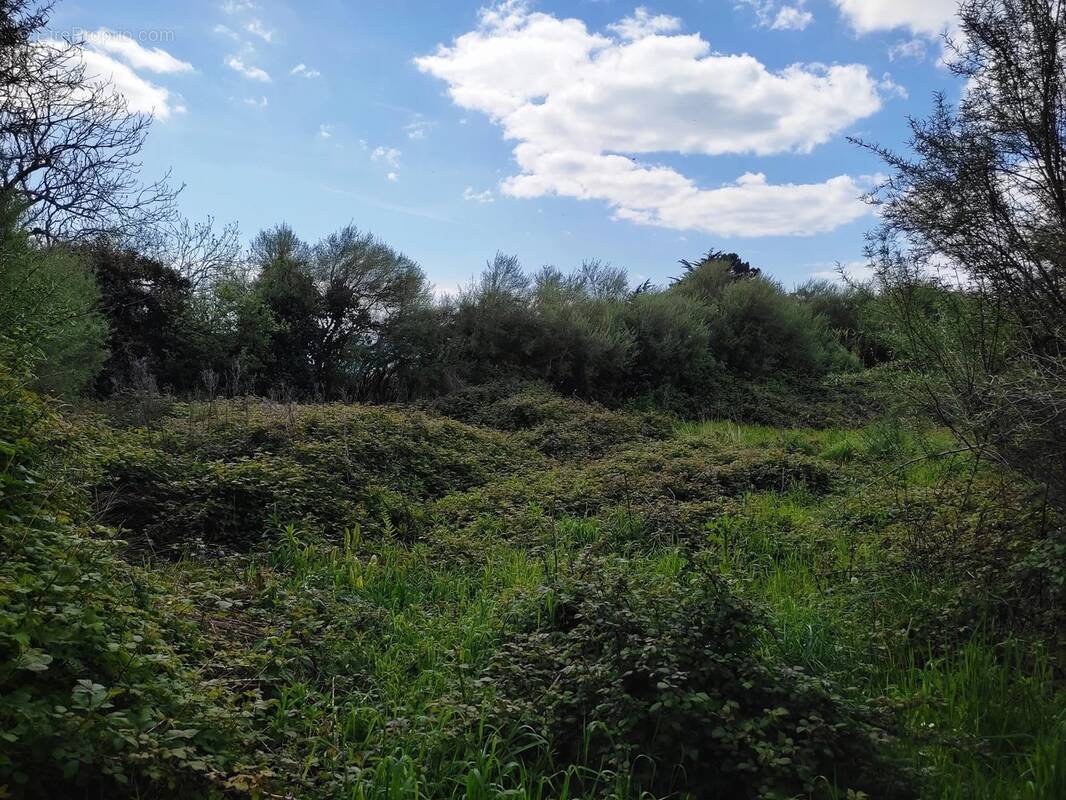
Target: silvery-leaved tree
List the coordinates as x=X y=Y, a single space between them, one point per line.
x=972 y=247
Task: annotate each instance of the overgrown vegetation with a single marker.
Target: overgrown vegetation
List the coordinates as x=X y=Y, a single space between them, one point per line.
x=707 y=540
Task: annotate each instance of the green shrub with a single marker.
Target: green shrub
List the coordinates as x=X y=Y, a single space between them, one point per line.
x=663 y=679
x=560 y=427
x=96 y=697
x=219 y=473
x=49 y=323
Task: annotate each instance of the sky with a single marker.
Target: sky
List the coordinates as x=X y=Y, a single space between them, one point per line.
x=555 y=131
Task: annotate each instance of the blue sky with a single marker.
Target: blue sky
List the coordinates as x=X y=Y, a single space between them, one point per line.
x=557 y=131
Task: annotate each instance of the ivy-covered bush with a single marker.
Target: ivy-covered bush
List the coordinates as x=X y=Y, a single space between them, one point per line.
x=219 y=474
x=663 y=679
x=559 y=427
x=95 y=691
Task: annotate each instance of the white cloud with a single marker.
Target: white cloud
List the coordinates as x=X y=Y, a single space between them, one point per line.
x=891 y=88
x=779 y=17
x=304 y=71
x=485 y=196
x=575 y=101
x=926 y=17
x=325 y=131
x=388 y=155
x=393 y=177
x=792 y=18
x=252 y=73
x=133 y=53
x=419 y=129
x=237 y=6
x=908 y=48
x=225 y=30
x=257 y=28
x=642 y=24
x=663 y=197
x=141 y=95
x=262 y=102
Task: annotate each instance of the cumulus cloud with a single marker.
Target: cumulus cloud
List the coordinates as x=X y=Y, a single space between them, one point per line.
x=325 y=131
x=642 y=24
x=926 y=17
x=392 y=177
x=141 y=95
x=581 y=106
x=252 y=73
x=486 y=196
x=304 y=71
x=115 y=59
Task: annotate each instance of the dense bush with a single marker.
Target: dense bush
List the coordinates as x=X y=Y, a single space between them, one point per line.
x=219 y=473
x=554 y=425
x=96 y=697
x=664 y=680
x=48 y=311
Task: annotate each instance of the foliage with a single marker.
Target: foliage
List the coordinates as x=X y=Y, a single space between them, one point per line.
x=49 y=323
x=976 y=215
x=227 y=470
x=665 y=681
x=94 y=694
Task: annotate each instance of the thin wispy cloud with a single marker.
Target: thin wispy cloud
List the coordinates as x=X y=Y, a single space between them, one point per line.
x=238 y=6
x=153 y=59
x=419 y=129
x=387 y=155
x=248 y=71
x=304 y=71
x=257 y=28
x=472 y=195
x=779 y=16
x=915 y=49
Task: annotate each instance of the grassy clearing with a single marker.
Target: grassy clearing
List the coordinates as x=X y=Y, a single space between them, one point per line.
x=353 y=646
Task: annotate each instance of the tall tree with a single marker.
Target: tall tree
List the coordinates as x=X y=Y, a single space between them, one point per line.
x=69 y=144
x=980 y=205
x=364 y=286
x=288 y=290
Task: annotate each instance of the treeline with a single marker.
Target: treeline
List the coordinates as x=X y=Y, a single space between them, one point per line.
x=350 y=318
x=105 y=289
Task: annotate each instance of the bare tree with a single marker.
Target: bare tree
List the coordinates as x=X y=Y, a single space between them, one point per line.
x=198 y=251
x=69 y=144
x=19 y=19
x=983 y=196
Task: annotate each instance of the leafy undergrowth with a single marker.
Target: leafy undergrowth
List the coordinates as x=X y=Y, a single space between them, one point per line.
x=545 y=600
